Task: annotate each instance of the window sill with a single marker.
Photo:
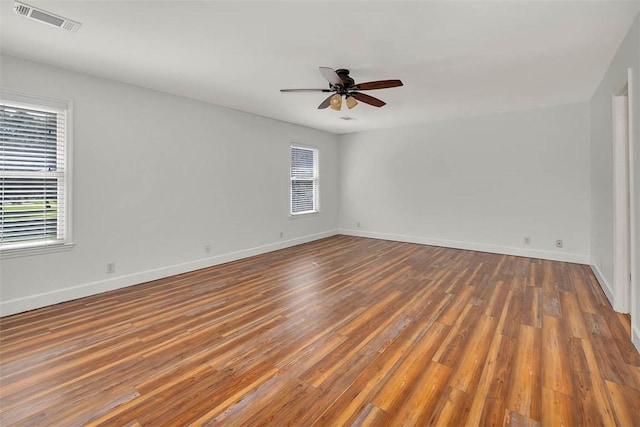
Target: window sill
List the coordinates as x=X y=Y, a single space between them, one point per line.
x=35 y=250
x=304 y=215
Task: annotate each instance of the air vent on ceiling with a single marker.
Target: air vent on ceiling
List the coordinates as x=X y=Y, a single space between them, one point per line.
x=45 y=17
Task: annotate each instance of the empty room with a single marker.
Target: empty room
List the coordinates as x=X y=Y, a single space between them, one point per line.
x=319 y=213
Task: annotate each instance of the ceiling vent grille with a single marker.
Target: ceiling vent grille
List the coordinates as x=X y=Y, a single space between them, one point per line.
x=21 y=9
x=45 y=17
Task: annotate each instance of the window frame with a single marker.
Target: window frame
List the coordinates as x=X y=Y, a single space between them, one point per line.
x=20 y=99
x=315 y=180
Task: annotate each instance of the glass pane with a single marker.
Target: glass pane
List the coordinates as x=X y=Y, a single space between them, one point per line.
x=28 y=139
x=302 y=196
x=302 y=163
x=28 y=209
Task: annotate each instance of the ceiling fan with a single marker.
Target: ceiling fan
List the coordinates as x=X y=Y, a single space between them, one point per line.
x=342 y=85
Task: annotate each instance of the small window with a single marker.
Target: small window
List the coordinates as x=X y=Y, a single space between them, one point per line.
x=304 y=180
x=34 y=190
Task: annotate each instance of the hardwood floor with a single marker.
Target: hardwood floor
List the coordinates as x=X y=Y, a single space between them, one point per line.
x=342 y=331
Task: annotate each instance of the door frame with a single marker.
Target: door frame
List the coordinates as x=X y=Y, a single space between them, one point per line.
x=624 y=245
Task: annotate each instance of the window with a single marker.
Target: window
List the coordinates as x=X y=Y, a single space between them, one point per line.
x=34 y=173
x=304 y=180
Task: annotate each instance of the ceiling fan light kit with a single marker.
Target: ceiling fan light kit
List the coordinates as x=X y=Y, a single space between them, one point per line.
x=341 y=84
x=336 y=102
x=351 y=102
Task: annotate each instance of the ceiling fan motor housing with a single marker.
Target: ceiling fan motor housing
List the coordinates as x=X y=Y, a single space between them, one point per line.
x=347 y=81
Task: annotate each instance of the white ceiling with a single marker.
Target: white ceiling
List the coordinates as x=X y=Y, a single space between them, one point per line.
x=455 y=58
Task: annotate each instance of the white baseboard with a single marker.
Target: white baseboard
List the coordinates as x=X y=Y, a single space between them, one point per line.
x=635 y=338
x=31 y=302
x=481 y=247
x=606 y=287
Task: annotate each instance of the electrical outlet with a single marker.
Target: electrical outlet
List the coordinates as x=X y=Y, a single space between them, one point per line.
x=111 y=267
x=527 y=240
x=558 y=243
x=358 y=224
x=281 y=234
x=207 y=249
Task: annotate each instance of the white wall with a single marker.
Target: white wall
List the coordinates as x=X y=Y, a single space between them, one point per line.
x=479 y=183
x=156 y=178
x=602 y=213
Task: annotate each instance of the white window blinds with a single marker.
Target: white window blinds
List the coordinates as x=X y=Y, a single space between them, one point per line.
x=33 y=208
x=304 y=180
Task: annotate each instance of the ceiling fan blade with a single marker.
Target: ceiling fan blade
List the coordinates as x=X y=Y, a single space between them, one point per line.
x=379 y=84
x=331 y=76
x=306 y=90
x=367 y=99
x=325 y=103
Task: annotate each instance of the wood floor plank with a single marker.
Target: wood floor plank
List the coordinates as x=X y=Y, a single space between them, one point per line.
x=626 y=401
x=532 y=308
x=489 y=406
x=452 y=409
x=340 y=331
x=354 y=401
x=600 y=392
x=401 y=381
x=493 y=373
x=616 y=370
x=355 y=398
x=418 y=404
x=513 y=419
x=372 y=416
x=573 y=320
x=556 y=371
x=523 y=394
x=468 y=369
x=557 y=409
